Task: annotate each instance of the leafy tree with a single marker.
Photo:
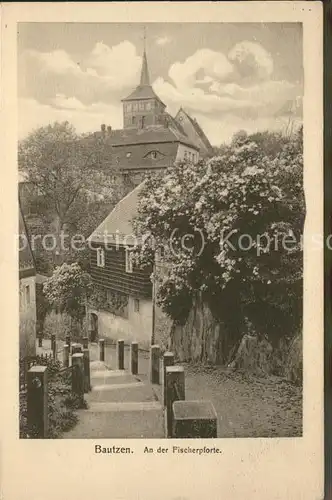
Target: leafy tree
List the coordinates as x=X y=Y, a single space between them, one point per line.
x=223 y=224
x=67 y=289
x=68 y=171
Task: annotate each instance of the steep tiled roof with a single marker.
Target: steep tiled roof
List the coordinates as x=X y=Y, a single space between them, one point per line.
x=148 y=135
x=145 y=77
x=198 y=129
x=136 y=156
x=118 y=223
x=142 y=92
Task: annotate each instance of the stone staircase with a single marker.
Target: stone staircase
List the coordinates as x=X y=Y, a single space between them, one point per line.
x=120 y=405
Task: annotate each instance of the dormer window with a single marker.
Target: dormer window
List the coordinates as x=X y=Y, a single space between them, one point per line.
x=100 y=257
x=153 y=155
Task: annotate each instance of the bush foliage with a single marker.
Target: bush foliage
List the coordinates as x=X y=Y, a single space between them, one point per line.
x=231 y=229
x=61 y=403
x=66 y=290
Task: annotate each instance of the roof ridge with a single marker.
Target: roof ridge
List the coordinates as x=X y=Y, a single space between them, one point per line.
x=116 y=208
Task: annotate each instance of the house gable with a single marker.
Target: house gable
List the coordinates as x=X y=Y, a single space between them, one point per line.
x=194 y=132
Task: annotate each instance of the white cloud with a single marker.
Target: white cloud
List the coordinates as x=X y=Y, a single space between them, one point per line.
x=251 y=59
x=57 y=61
x=209 y=82
x=196 y=99
x=214 y=65
x=112 y=67
x=61 y=101
x=163 y=40
x=119 y=64
x=86 y=119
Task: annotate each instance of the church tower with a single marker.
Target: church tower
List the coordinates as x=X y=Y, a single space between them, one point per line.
x=143 y=108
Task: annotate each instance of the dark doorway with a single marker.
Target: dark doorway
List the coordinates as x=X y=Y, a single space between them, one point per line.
x=94 y=327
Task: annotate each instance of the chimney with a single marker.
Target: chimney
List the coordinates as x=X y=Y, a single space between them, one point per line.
x=103 y=128
x=109 y=129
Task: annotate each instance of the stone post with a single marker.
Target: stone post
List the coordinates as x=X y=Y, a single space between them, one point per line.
x=101 y=350
x=134 y=358
x=86 y=362
x=65 y=355
x=53 y=345
x=155 y=364
x=78 y=376
x=54 y=353
x=175 y=389
x=85 y=342
x=67 y=341
x=194 y=419
x=120 y=353
x=76 y=348
x=168 y=360
x=37 y=400
x=90 y=332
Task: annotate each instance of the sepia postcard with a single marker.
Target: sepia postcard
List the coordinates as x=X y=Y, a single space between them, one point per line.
x=162 y=256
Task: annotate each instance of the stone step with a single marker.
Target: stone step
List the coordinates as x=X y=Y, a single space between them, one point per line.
x=112 y=387
x=122 y=423
x=109 y=373
x=125 y=406
x=118 y=393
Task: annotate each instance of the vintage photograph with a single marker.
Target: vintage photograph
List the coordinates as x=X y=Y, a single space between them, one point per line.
x=161 y=219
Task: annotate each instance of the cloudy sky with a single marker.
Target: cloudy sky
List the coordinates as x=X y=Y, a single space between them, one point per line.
x=228 y=76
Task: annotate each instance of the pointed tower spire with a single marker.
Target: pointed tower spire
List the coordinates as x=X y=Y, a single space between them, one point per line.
x=145 y=78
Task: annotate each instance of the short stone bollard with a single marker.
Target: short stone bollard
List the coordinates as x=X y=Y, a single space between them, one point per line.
x=37 y=400
x=120 y=354
x=76 y=348
x=175 y=388
x=67 y=341
x=78 y=377
x=91 y=334
x=134 y=358
x=168 y=360
x=86 y=363
x=54 y=353
x=85 y=342
x=53 y=345
x=155 y=364
x=65 y=356
x=194 y=419
x=101 y=350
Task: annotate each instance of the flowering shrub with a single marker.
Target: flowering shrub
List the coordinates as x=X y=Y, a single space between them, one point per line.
x=224 y=224
x=66 y=290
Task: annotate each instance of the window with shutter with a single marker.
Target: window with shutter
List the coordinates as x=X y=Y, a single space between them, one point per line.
x=100 y=257
x=129 y=261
